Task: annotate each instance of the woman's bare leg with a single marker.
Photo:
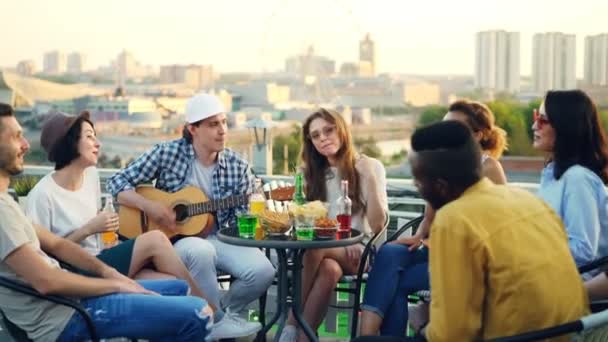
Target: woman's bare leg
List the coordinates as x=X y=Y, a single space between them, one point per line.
x=154 y=247
x=331 y=268
x=150 y=274
x=310 y=262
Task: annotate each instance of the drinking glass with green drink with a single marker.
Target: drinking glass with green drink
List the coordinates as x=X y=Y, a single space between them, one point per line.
x=246 y=224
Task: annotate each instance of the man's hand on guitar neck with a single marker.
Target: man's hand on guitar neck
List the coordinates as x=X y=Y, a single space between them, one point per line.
x=160 y=214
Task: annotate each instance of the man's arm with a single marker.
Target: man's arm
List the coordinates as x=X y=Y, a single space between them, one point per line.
x=30 y=266
x=457 y=282
x=48 y=280
x=143 y=170
x=68 y=251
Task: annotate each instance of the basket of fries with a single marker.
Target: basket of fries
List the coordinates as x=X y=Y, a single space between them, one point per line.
x=274 y=223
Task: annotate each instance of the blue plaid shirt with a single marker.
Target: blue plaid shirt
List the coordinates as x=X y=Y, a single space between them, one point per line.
x=169 y=164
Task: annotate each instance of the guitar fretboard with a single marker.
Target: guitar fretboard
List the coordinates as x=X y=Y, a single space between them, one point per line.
x=215 y=205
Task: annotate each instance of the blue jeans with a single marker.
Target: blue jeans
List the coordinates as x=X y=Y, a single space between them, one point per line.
x=173 y=316
x=396 y=273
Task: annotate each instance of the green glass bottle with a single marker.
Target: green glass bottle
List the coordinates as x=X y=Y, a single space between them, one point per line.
x=298 y=194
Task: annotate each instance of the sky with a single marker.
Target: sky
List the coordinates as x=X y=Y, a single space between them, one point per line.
x=431 y=37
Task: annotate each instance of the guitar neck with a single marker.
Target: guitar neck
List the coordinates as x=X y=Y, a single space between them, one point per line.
x=215 y=205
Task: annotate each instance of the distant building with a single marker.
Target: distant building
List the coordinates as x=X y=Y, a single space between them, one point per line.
x=349 y=69
x=310 y=64
x=368 y=92
x=497 y=61
x=54 y=63
x=26 y=68
x=194 y=76
x=421 y=94
x=236 y=119
x=76 y=63
x=553 y=61
x=367 y=57
x=260 y=93
x=127 y=67
x=596 y=60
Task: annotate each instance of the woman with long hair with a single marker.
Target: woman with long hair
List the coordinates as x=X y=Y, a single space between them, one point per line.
x=66 y=202
x=401 y=267
x=567 y=128
x=329 y=156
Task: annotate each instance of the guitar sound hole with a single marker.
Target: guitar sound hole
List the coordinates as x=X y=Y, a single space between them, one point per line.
x=181 y=212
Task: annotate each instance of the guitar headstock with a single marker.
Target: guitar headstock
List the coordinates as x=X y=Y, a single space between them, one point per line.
x=282 y=194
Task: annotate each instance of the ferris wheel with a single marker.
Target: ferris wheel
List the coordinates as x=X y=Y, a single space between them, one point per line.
x=318 y=82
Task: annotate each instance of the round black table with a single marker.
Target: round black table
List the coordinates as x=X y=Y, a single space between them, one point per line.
x=289 y=296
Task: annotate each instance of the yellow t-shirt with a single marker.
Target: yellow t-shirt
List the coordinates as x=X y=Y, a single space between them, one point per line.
x=500 y=265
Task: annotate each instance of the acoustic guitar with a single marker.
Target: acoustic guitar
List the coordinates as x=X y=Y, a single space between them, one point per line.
x=193 y=210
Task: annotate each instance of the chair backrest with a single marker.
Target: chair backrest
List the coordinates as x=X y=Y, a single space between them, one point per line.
x=29 y=291
x=414 y=223
x=370 y=246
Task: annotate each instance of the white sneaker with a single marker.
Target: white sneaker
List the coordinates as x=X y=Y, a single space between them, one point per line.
x=232 y=326
x=289 y=333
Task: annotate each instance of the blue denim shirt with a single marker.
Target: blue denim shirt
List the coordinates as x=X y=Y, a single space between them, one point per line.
x=169 y=164
x=580 y=199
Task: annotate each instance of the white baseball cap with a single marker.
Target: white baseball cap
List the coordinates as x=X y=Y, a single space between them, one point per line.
x=202 y=106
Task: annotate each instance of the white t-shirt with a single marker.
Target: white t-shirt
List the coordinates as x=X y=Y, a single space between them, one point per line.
x=202 y=178
x=41 y=319
x=63 y=211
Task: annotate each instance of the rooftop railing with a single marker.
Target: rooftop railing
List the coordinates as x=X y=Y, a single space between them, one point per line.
x=403 y=199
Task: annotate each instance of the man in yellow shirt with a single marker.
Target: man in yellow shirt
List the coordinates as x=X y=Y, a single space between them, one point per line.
x=499 y=258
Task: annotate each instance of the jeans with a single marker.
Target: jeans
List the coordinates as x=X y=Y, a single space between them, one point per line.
x=169 y=317
x=396 y=273
x=252 y=271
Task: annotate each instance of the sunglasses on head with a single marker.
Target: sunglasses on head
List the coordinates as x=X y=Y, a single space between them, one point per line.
x=540 y=120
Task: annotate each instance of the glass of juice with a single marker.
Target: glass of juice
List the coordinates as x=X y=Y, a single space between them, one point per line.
x=246 y=224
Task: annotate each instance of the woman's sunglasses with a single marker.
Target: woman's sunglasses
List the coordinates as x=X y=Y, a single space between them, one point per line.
x=540 y=120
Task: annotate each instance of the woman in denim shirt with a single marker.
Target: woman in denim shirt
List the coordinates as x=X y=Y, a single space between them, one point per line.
x=568 y=129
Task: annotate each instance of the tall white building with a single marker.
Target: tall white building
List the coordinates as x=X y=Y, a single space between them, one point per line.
x=497 y=61
x=553 y=61
x=596 y=60
x=54 y=63
x=367 y=57
x=76 y=62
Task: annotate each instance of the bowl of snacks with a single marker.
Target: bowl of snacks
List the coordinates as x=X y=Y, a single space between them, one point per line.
x=274 y=223
x=316 y=209
x=326 y=228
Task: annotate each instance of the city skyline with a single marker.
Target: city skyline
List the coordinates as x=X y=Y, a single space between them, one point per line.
x=435 y=37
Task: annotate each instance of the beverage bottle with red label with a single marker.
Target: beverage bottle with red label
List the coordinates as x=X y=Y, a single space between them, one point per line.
x=344 y=208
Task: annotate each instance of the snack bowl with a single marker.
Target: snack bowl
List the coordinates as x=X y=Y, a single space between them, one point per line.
x=275 y=224
x=326 y=232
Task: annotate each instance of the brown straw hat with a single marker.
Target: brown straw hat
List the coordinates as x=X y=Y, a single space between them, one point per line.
x=55 y=127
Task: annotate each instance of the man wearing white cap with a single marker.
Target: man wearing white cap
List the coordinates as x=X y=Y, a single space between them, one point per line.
x=201 y=159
